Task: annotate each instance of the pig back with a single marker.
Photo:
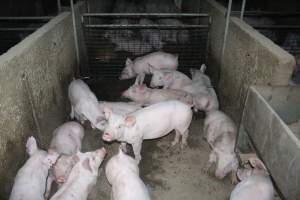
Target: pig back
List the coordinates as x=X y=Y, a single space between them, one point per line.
x=159 y=119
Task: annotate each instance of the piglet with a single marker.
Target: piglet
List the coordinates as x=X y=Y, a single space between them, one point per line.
x=140 y=66
x=151 y=122
x=82 y=178
x=169 y=79
x=84 y=104
x=122 y=173
x=67 y=138
x=66 y=141
x=220 y=133
x=30 y=182
x=198 y=75
x=255 y=183
x=147 y=96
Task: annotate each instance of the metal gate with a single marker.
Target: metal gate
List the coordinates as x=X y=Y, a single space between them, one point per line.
x=112 y=37
x=15 y=29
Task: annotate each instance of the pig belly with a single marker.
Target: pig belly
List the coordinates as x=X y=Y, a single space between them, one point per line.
x=157 y=133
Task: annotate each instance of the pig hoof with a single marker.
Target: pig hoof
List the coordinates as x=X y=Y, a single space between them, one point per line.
x=174 y=143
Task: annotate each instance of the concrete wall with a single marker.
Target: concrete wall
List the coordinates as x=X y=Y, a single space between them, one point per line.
x=249 y=58
x=277 y=111
x=34 y=76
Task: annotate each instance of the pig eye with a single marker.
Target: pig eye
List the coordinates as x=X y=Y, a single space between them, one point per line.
x=120 y=126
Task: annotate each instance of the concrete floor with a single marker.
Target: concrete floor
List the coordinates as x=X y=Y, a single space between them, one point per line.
x=169 y=172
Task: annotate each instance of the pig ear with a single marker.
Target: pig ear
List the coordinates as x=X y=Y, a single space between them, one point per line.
x=136 y=82
x=107 y=112
x=130 y=121
x=128 y=61
x=203 y=68
x=151 y=68
x=257 y=164
x=31 y=146
x=86 y=164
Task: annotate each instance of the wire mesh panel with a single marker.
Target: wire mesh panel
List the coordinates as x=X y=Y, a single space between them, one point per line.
x=15 y=29
x=119 y=36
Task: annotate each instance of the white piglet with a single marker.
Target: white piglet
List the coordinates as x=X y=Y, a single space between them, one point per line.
x=140 y=66
x=220 y=133
x=66 y=141
x=255 y=183
x=84 y=104
x=82 y=178
x=169 y=79
x=122 y=172
x=147 y=96
x=67 y=138
x=151 y=122
x=30 y=182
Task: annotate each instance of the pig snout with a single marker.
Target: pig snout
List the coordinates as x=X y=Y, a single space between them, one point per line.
x=60 y=179
x=125 y=93
x=107 y=137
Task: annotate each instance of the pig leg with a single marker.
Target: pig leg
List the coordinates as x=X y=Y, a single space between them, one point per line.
x=50 y=179
x=124 y=147
x=233 y=177
x=137 y=150
x=184 y=139
x=212 y=159
x=140 y=79
x=72 y=114
x=176 y=139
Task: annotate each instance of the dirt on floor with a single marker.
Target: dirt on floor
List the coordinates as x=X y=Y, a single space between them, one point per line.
x=169 y=172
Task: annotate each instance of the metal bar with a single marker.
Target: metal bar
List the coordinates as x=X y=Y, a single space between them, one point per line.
x=75 y=33
x=276 y=26
x=226 y=28
x=266 y=14
x=121 y=26
x=18 y=29
x=243 y=9
x=58 y=6
x=120 y=15
x=27 y=18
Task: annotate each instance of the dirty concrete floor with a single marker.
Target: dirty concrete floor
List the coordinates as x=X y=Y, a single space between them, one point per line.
x=169 y=172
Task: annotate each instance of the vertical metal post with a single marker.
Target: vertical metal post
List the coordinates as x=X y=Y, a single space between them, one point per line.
x=58 y=6
x=75 y=34
x=226 y=29
x=243 y=9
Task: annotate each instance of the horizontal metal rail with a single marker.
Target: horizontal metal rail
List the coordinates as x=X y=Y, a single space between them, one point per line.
x=266 y=14
x=287 y=27
x=19 y=29
x=139 y=26
x=43 y=18
x=156 y=15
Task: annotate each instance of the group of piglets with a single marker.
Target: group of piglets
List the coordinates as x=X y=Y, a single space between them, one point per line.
x=74 y=172
x=152 y=114
x=220 y=131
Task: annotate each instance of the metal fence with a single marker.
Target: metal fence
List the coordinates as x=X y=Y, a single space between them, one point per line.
x=280 y=27
x=112 y=37
x=15 y=29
